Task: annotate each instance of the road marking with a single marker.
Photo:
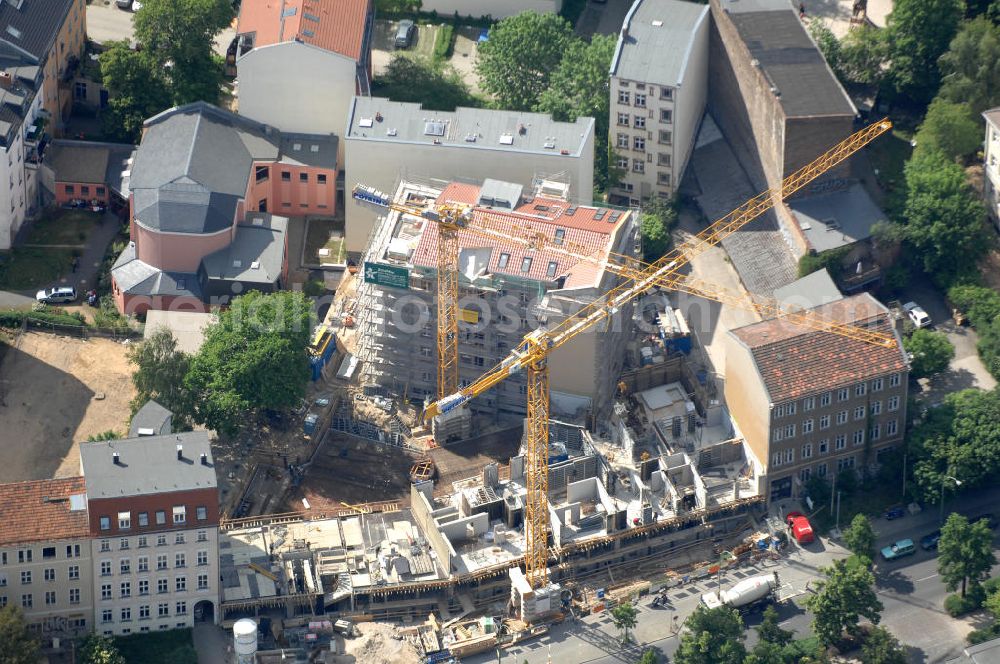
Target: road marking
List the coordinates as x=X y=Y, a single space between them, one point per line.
x=925 y=578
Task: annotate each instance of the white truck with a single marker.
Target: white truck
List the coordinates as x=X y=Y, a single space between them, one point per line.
x=746 y=594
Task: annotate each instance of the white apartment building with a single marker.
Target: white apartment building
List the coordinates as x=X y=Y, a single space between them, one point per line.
x=659 y=83
x=991 y=165
x=388 y=141
x=154 y=515
x=20 y=133
x=45 y=566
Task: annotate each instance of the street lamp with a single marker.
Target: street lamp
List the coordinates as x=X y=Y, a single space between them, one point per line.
x=957 y=482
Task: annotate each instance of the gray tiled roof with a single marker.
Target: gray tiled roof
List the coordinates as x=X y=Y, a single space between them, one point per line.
x=148 y=465
x=153 y=417
x=136 y=277
x=263 y=244
x=32 y=25
x=309 y=150
x=660 y=35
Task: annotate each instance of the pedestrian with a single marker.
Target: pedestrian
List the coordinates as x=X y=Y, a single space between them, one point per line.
x=802 y=10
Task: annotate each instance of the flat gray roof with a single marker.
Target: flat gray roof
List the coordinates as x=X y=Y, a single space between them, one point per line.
x=660 y=35
x=152 y=416
x=837 y=218
x=256 y=253
x=313 y=150
x=148 y=465
x=810 y=291
x=379 y=119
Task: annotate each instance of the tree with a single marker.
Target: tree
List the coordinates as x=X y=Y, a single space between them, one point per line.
x=766 y=653
x=860 y=537
x=18 y=645
x=919 y=31
x=136 y=90
x=992 y=604
x=658 y=218
x=950 y=128
x=100 y=650
x=437 y=86
x=254 y=358
x=770 y=631
x=931 y=352
x=523 y=51
x=829 y=46
x=971 y=68
x=980 y=304
x=881 y=647
x=943 y=216
x=965 y=553
x=841 y=600
x=714 y=636
x=649 y=657
x=180 y=34
x=160 y=370
x=989 y=346
x=863 y=55
x=110 y=434
x=624 y=616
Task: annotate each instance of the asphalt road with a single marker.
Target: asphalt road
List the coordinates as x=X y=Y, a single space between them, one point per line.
x=910 y=590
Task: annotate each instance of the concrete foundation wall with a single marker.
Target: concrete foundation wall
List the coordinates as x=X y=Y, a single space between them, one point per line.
x=421 y=508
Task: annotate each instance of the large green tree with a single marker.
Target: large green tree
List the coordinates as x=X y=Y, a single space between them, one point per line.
x=713 y=636
x=931 y=352
x=99 y=650
x=516 y=63
x=881 y=647
x=17 y=644
x=971 y=68
x=863 y=55
x=625 y=617
x=136 y=91
x=656 y=222
x=860 y=537
x=943 y=216
x=160 y=369
x=965 y=553
x=845 y=596
x=253 y=359
x=950 y=128
x=437 y=86
x=919 y=32
x=770 y=630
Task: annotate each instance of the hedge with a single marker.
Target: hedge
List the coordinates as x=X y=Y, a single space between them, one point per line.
x=444 y=42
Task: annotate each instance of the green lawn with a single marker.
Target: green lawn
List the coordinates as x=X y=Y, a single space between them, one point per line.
x=62 y=226
x=174 y=646
x=26 y=268
x=325 y=234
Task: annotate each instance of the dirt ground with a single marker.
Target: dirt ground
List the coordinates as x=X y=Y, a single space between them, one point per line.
x=56 y=391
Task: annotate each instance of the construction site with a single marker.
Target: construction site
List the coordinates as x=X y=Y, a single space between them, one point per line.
x=608 y=467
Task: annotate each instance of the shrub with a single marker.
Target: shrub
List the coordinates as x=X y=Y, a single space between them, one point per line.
x=956 y=605
x=979 y=303
x=985 y=634
x=314 y=288
x=990 y=586
x=832 y=260
x=444 y=42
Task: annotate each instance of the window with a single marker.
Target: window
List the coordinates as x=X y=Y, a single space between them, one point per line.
x=3 y=580
x=303 y=177
x=859 y=437
x=286 y=176
x=638 y=165
x=202 y=558
x=843 y=394
x=100 y=191
x=107 y=616
x=123 y=544
x=807 y=426
x=623 y=119
x=321 y=178
x=161 y=561
x=623 y=96
x=666 y=137
x=890 y=428
x=824 y=422
x=804 y=474
x=859 y=413
x=126 y=588
x=181 y=609
x=666 y=93
x=842 y=417
x=261 y=173
x=824 y=446
x=777 y=435
x=179 y=538
x=125 y=566
x=3 y=601
x=640 y=100
x=662 y=158
x=623 y=141
x=666 y=116
x=180 y=515
x=789 y=455
x=106 y=591
x=876 y=407
x=877 y=385
x=72 y=551
x=161 y=586
x=776 y=459
x=69 y=189
x=551 y=270
x=163 y=609
x=841 y=441
x=203 y=582
x=202 y=536
x=663 y=178
x=808 y=403
x=860 y=389
x=180 y=583
x=894 y=380
x=142 y=542
x=179 y=560
x=640 y=122
x=26 y=577
x=74 y=595
x=825 y=399
x=50 y=574
x=876 y=432
x=821 y=470
x=807 y=451
x=49 y=552
x=126 y=614
x=639 y=143
x=201 y=513
x=144 y=612
x=893 y=404
x=124 y=520
x=74 y=572
x=27 y=601
x=846 y=463
x=105 y=523
x=143 y=586
x=526 y=264
x=161 y=517
x=623 y=164
x=502 y=263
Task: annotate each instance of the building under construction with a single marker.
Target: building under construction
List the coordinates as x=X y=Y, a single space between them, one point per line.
x=507 y=288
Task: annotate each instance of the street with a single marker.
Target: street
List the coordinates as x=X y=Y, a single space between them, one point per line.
x=910 y=590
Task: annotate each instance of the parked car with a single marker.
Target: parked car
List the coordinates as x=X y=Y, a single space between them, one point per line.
x=929 y=542
x=897 y=512
x=802 y=530
x=903 y=547
x=404 y=33
x=917 y=314
x=56 y=295
x=124 y=4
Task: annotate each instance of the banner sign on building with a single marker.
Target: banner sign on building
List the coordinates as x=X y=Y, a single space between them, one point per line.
x=468 y=316
x=387 y=275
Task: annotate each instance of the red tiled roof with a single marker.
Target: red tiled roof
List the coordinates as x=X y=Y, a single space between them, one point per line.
x=794 y=361
x=25 y=515
x=582 y=235
x=340 y=26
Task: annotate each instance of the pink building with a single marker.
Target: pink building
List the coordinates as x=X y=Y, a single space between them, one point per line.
x=206 y=191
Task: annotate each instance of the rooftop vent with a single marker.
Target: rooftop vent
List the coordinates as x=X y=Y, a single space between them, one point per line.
x=146 y=431
x=13 y=32
x=116 y=458
x=255 y=265
x=391 y=131
x=180 y=451
x=550 y=144
x=366 y=122
x=314 y=148
x=470 y=138
x=237 y=263
x=506 y=139
x=434 y=128
x=204 y=459
x=258 y=221
x=657 y=24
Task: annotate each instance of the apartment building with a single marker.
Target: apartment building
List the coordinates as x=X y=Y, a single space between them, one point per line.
x=45 y=563
x=506 y=290
x=659 y=84
x=40 y=49
x=991 y=165
x=153 y=517
x=814 y=403
x=388 y=141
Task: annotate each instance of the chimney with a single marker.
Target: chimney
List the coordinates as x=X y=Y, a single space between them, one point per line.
x=116 y=458
x=6 y=80
x=180 y=452
x=204 y=459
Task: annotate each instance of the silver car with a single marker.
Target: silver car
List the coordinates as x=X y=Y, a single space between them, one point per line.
x=57 y=295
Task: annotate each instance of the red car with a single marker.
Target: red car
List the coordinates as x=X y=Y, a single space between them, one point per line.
x=802 y=530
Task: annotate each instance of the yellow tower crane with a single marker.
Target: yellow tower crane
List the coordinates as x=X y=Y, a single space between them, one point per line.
x=532 y=353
